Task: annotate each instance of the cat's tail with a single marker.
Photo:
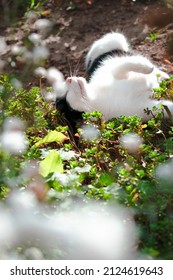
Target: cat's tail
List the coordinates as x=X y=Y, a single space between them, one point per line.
x=138 y=64
x=110 y=42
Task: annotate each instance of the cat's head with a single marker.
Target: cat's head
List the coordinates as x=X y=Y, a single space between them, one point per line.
x=108 y=43
x=77 y=93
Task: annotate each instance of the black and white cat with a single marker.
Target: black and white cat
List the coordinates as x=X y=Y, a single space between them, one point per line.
x=120 y=83
x=112 y=44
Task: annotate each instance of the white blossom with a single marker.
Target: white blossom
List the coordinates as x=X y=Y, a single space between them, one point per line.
x=14 y=142
x=40 y=71
x=27 y=56
x=22 y=199
x=8 y=231
x=97 y=232
x=33 y=253
x=164 y=174
x=39 y=54
x=35 y=38
x=44 y=26
x=54 y=75
x=59 y=88
x=90 y=132
x=17 y=50
x=87 y=230
x=31 y=169
x=16 y=83
x=131 y=142
x=13 y=124
x=13 y=139
x=48 y=96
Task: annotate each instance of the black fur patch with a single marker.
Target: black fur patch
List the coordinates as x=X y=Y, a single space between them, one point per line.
x=72 y=117
x=98 y=61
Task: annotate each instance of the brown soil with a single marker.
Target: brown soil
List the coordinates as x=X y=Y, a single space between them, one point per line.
x=135 y=19
x=75 y=30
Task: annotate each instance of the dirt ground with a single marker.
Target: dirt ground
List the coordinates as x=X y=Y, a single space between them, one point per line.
x=135 y=19
x=75 y=30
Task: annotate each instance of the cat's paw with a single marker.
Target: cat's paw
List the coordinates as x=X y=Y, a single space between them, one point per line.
x=147 y=66
x=76 y=93
x=147 y=69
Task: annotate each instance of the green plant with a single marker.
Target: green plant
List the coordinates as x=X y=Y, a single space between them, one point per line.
x=153 y=36
x=71 y=6
x=35 y=4
x=27 y=105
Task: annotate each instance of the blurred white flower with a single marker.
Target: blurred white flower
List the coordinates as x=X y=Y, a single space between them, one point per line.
x=82 y=231
x=39 y=54
x=86 y=168
x=17 y=50
x=56 y=79
x=65 y=179
x=131 y=142
x=24 y=200
x=67 y=154
x=35 y=38
x=54 y=75
x=43 y=25
x=16 y=83
x=98 y=232
x=40 y=71
x=164 y=174
x=90 y=132
x=31 y=169
x=7 y=232
x=13 y=124
x=13 y=139
x=27 y=56
x=59 y=88
x=3 y=45
x=14 y=142
x=48 y=96
x=33 y=253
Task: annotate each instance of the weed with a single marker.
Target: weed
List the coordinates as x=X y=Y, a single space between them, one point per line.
x=153 y=36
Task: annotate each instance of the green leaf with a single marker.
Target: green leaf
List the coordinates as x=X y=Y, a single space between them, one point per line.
x=52 y=163
x=53 y=136
x=140 y=173
x=106 y=179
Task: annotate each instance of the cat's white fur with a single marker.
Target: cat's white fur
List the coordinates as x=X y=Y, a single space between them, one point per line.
x=109 y=42
x=120 y=86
